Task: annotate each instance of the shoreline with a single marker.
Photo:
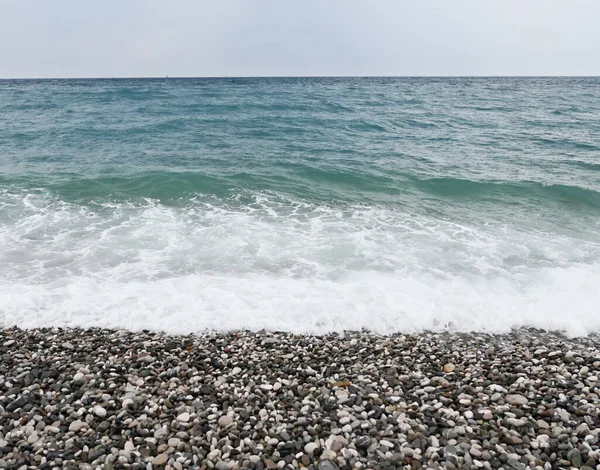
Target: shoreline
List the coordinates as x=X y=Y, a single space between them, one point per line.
x=97 y=398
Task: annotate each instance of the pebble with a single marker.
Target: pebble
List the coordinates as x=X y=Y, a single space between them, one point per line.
x=310 y=448
x=327 y=465
x=173 y=442
x=160 y=459
x=516 y=399
x=328 y=454
x=75 y=426
x=225 y=421
x=273 y=401
x=448 y=368
x=161 y=433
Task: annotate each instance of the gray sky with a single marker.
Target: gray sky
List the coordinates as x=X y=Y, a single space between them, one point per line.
x=115 y=38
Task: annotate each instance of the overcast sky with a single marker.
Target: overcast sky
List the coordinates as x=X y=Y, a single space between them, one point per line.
x=116 y=38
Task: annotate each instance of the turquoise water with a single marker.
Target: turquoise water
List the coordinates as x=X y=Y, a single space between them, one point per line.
x=301 y=204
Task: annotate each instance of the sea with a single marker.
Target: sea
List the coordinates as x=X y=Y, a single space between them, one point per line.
x=305 y=205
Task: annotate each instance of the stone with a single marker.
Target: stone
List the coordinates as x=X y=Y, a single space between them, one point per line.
x=225 y=421
x=75 y=426
x=127 y=403
x=386 y=443
x=475 y=452
x=310 y=448
x=363 y=442
x=183 y=417
x=449 y=368
x=574 y=457
x=16 y=404
x=519 y=423
x=78 y=377
x=160 y=459
x=327 y=465
x=328 y=454
x=353 y=401
x=516 y=399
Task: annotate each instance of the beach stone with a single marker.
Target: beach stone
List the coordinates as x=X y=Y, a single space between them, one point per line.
x=363 y=442
x=516 y=399
x=127 y=403
x=183 y=417
x=78 y=377
x=16 y=404
x=574 y=457
x=310 y=448
x=327 y=465
x=341 y=404
x=160 y=459
x=76 y=426
x=449 y=367
x=516 y=422
x=386 y=443
x=328 y=454
x=225 y=421
x=475 y=452
x=161 y=433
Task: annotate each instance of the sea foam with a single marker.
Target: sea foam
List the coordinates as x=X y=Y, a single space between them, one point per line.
x=277 y=263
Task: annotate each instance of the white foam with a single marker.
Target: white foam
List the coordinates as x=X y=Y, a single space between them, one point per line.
x=284 y=265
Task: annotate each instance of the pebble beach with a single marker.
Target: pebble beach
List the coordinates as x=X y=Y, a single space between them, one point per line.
x=92 y=398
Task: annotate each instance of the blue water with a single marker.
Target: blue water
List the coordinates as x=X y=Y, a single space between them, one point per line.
x=301 y=204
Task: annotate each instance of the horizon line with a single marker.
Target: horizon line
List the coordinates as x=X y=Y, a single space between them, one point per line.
x=155 y=77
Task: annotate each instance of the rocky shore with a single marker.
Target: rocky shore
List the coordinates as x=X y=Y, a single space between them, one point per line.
x=72 y=398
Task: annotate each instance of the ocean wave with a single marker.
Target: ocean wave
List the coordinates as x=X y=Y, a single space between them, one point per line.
x=266 y=260
x=306 y=205
x=313 y=182
x=546 y=192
